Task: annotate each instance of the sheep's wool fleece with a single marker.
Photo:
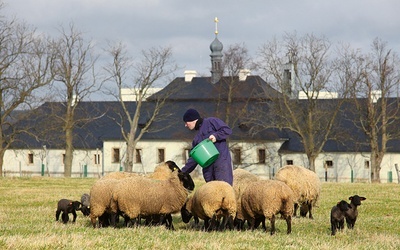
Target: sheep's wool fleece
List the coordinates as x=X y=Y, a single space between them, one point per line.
x=100 y=196
x=267 y=197
x=211 y=197
x=304 y=182
x=161 y=172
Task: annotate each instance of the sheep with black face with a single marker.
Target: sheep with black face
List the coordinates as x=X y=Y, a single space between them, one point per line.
x=352 y=213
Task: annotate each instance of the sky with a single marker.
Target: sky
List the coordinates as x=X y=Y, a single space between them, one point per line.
x=188 y=26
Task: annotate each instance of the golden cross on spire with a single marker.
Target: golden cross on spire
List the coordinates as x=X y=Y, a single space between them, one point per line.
x=216 y=25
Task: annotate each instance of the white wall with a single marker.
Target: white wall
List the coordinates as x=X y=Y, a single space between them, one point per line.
x=16 y=161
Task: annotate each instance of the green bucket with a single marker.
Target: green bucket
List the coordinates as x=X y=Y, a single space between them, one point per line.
x=205 y=153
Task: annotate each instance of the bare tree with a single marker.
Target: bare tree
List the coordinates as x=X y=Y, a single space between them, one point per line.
x=304 y=70
x=376 y=109
x=74 y=69
x=236 y=60
x=25 y=64
x=155 y=66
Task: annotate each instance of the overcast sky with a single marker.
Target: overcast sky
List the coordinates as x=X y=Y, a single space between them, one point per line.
x=188 y=26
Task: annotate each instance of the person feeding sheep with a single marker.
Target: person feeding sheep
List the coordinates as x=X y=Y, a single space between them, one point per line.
x=217 y=131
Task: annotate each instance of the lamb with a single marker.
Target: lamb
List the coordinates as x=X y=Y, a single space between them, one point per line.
x=67 y=207
x=337 y=216
x=143 y=196
x=241 y=179
x=265 y=199
x=212 y=201
x=352 y=213
x=305 y=185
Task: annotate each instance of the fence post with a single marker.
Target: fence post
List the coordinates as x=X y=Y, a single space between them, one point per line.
x=352 y=176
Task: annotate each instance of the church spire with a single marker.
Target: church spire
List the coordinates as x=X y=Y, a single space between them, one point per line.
x=216 y=56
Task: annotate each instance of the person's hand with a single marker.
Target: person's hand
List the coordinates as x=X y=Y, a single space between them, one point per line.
x=212 y=138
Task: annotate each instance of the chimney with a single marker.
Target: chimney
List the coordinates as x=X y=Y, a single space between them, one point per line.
x=243 y=73
x=189 y=74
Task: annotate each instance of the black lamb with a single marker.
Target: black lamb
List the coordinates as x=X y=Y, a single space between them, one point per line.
x=352 y=213
x=67 y=207
x=338 y=215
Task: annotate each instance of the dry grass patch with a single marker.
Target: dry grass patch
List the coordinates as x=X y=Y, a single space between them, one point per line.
x=27 y=221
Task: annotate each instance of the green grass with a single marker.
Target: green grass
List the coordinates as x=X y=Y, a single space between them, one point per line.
x=27 y=221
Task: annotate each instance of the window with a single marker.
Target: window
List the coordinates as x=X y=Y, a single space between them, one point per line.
x=289 y=162
x=97 y=159
x=237 y=156
x=115 y=155
x=161 y=155
x=329 y=164
x=30 y=158
x=261 y=156
x=366 y=164
x=138 y=155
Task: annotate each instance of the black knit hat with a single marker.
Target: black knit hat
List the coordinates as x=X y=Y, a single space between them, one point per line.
x=191 y=115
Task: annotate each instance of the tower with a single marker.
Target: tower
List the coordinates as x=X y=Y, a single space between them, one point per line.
x=216 y=56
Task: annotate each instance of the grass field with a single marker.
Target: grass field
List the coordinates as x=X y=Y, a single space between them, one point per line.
x=28 y=205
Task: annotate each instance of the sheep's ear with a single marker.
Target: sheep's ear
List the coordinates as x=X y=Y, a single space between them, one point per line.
x=363 y=198
x=351 y=197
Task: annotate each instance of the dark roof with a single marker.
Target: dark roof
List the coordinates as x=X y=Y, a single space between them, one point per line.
x=201 y=88
x=102 y=121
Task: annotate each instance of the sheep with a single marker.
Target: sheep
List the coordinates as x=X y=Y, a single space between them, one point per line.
x=352 y=213
x=212 y=201
x=305 y=185
x=266 y=198
x=137 y=196
x=101 y=193
x=241 y=179
x=162 y=172
x=100 y=199
x=85 y=201
x=337 y=216
x=67 y=207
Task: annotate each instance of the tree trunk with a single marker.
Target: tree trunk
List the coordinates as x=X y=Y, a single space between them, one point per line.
x=2 y=151
x=376 y=160
x=68 y=153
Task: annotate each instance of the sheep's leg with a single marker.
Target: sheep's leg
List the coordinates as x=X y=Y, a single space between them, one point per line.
x=225 y=220
x=58 y=214
x=230 y=223
x=310 y=210
x=74 y=214
x=251 y=223
x=341 y=225
x=168 y=222
x=289 y=224
x=206 y=224
x=272 y=221
x=213 y=224
x=113 y=217
x=65 y=217
x=333 y=228
x=296 y=206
